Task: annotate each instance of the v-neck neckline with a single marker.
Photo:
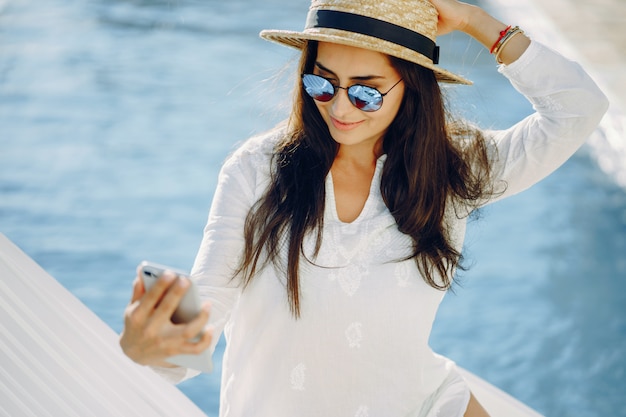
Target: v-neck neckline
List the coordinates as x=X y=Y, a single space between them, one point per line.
x=331 y=202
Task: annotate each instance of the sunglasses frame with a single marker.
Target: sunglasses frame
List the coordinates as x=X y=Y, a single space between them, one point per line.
x=351 y=97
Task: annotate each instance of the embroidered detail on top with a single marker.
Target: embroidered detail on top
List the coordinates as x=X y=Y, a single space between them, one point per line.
x=349 y=278
x=298 y=377
x=363 y=411
x=402 y=274
x=354 y=335
x=547 y=103
x=348 y=242
x=380 y=239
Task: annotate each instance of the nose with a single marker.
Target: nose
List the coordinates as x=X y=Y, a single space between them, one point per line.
x=341 y=104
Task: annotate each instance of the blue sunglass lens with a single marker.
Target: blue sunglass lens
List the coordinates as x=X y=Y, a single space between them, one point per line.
x=362 y=97
x=365 y=98
x=318 y=88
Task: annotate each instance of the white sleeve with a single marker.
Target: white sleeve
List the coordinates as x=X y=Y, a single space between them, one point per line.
x=223 y=240
x=240 y=182
x=568 y=106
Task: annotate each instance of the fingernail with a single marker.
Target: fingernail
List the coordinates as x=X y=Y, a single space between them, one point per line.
x=183 y=283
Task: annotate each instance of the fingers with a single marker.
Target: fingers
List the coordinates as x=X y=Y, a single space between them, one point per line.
x=149 y=336
x=196 y=326
x=190 y=338
x=194 y=337
x=170 y=299
x=453 y=15
x=199 y=342
x=150 y=342
x=138 y=289
x=151 y=298
x=197 y=346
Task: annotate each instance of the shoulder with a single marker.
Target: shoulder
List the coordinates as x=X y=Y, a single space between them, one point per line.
x=257 y=151
x=251 y=163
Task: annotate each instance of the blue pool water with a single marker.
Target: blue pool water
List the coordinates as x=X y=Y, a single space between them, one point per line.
x=115 y=116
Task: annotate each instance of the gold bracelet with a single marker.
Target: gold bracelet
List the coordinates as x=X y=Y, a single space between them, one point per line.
x=504 y=35
x=515 y=31
x=509 y=32
x=497 y=42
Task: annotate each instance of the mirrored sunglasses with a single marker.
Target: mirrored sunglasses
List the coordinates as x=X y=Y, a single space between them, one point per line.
x=361 y=96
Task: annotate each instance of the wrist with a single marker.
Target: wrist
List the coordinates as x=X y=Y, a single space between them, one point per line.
x=483 y=27
x=475 y=20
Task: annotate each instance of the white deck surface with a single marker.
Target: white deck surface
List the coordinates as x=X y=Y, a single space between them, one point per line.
x=57 y=358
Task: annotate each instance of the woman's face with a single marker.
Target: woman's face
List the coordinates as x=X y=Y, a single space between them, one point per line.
x=345 y=66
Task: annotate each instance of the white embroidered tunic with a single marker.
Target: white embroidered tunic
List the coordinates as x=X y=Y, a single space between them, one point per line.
x=360 y=348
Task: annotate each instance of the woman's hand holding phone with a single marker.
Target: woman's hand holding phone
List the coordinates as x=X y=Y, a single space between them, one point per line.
x=149 y=336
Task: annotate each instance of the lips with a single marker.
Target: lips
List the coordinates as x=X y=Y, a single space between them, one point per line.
x=339 y=125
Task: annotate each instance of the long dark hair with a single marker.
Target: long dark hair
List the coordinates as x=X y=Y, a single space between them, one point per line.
x=431 y=161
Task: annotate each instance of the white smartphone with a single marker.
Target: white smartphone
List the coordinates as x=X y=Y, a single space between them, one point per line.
x=189 y=307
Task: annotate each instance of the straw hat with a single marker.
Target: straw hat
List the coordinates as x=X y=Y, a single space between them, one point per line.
x=403 y=28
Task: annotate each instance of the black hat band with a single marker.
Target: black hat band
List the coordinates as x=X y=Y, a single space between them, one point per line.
x=369 y=26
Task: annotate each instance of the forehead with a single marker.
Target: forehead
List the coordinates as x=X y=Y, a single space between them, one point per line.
x=350 y=60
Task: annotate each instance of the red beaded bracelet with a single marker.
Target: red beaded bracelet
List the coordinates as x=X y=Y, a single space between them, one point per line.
x=502 y=35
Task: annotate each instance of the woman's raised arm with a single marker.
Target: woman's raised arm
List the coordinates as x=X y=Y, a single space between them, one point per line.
x=489 y=31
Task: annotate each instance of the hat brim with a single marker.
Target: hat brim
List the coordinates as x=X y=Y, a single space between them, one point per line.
x=298 y=40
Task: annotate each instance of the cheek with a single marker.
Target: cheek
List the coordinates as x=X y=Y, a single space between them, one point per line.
x=393 y=109
x=387 y=115
x=322 y=108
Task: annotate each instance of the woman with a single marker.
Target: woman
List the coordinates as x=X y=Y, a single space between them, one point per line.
x=332 y=239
